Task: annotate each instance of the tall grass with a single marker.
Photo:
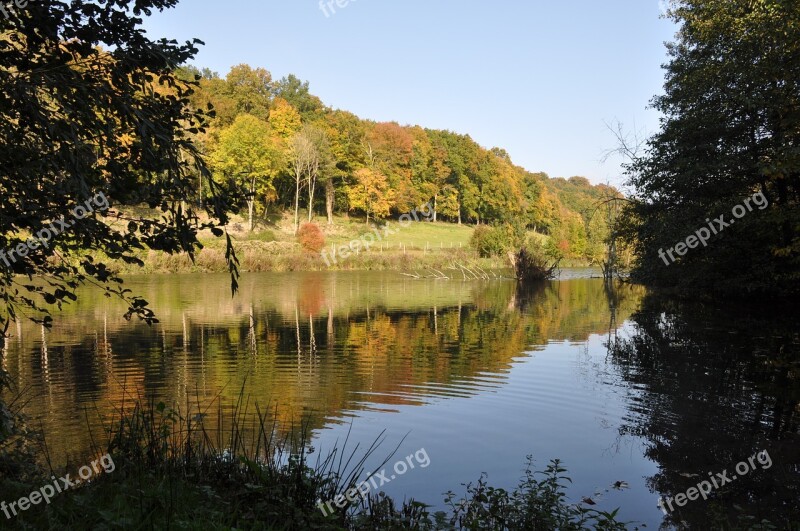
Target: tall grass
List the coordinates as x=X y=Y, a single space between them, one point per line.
x=176 y=470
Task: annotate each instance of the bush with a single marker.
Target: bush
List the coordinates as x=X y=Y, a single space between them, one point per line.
x=264 y=236
x=311 y=238
x=532 y=264
x=490 y=241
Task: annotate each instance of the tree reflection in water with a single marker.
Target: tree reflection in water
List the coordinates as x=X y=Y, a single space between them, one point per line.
x=716 y=384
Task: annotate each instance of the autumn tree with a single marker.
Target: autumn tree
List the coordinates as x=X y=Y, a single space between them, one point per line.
x=346 y=133
x=76 y=121
x=319 y=164
x=284 y=119
x=390 y=147
x=246 y=154
x=310 y=158
x=371 y=193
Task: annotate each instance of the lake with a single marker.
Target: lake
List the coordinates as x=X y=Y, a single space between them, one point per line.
x=621 y=386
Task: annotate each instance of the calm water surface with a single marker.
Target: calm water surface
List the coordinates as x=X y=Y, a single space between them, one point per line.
x=618 y=385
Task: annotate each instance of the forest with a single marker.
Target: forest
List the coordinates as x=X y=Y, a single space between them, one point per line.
x=287 y=151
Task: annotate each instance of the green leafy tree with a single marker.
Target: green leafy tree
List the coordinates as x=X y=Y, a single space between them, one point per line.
x=250 y=90
x=297 y=93
x=77 y=121
x=730 y=129
x=246 y=155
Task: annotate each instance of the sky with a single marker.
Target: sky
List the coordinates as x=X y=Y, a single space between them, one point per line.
x=539 y=78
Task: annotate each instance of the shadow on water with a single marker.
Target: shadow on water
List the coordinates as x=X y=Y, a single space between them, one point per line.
x=717 y=384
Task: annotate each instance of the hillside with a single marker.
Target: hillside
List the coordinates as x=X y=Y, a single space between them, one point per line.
x=287 y=152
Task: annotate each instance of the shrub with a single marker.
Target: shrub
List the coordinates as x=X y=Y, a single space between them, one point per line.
x=264 y=236
x=532 y=264
x=311 y=238
x=490 y=241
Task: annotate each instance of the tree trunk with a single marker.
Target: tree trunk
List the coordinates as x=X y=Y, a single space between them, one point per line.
x=329 y=198
x=297 y=202
x=312 y=182
x=251 y=200
x=435 y=197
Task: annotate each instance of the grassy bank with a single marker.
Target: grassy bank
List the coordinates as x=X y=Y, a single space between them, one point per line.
x=272 y=246
x=170 y=471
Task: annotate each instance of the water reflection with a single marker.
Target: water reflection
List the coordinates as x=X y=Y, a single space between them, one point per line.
x=649 y=392
x=715 y=385
x=310 y=345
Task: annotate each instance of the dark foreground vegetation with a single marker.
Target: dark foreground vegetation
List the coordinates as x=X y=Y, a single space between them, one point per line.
x=174 y=472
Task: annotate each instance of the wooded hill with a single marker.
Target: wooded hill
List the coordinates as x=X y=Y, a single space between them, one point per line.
x=289 y=151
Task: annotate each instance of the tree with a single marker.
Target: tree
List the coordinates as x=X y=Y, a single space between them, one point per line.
x=244 y=90
x=310 y=158
x=247 y=152
x=371 y=193
x=296 y=92
x=346 y=133
x=250 y=90
x=390 y=148
x=284 y=119
x=730 y=129
x=320 y=163
x=77 y=121
x=301 y=155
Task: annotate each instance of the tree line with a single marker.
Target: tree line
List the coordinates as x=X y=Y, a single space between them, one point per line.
x=287 y=151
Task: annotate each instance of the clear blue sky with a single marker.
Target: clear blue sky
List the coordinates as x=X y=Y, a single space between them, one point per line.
x=536 y=77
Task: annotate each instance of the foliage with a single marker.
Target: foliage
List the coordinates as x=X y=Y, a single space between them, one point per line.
x=311 y=238
x=172 y=470
x=465 y=182
x=310 y=161
x=534 y=504
x=246 y=156
x=76 y=120
x=730 y=129
x=18 y=444
x=490 y=241
x=284 y=119
x=298 y=95
x=371 y=193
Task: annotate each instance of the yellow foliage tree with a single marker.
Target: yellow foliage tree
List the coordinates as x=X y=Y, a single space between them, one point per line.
x=371 y=193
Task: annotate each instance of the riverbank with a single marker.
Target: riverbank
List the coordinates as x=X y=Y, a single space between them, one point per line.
x=412 y=248
x=162 y=469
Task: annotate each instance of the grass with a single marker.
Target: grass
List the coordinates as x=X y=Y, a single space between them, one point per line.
x=395 y=236
x=420 y=246
x=172 y=471
x=272 y=246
